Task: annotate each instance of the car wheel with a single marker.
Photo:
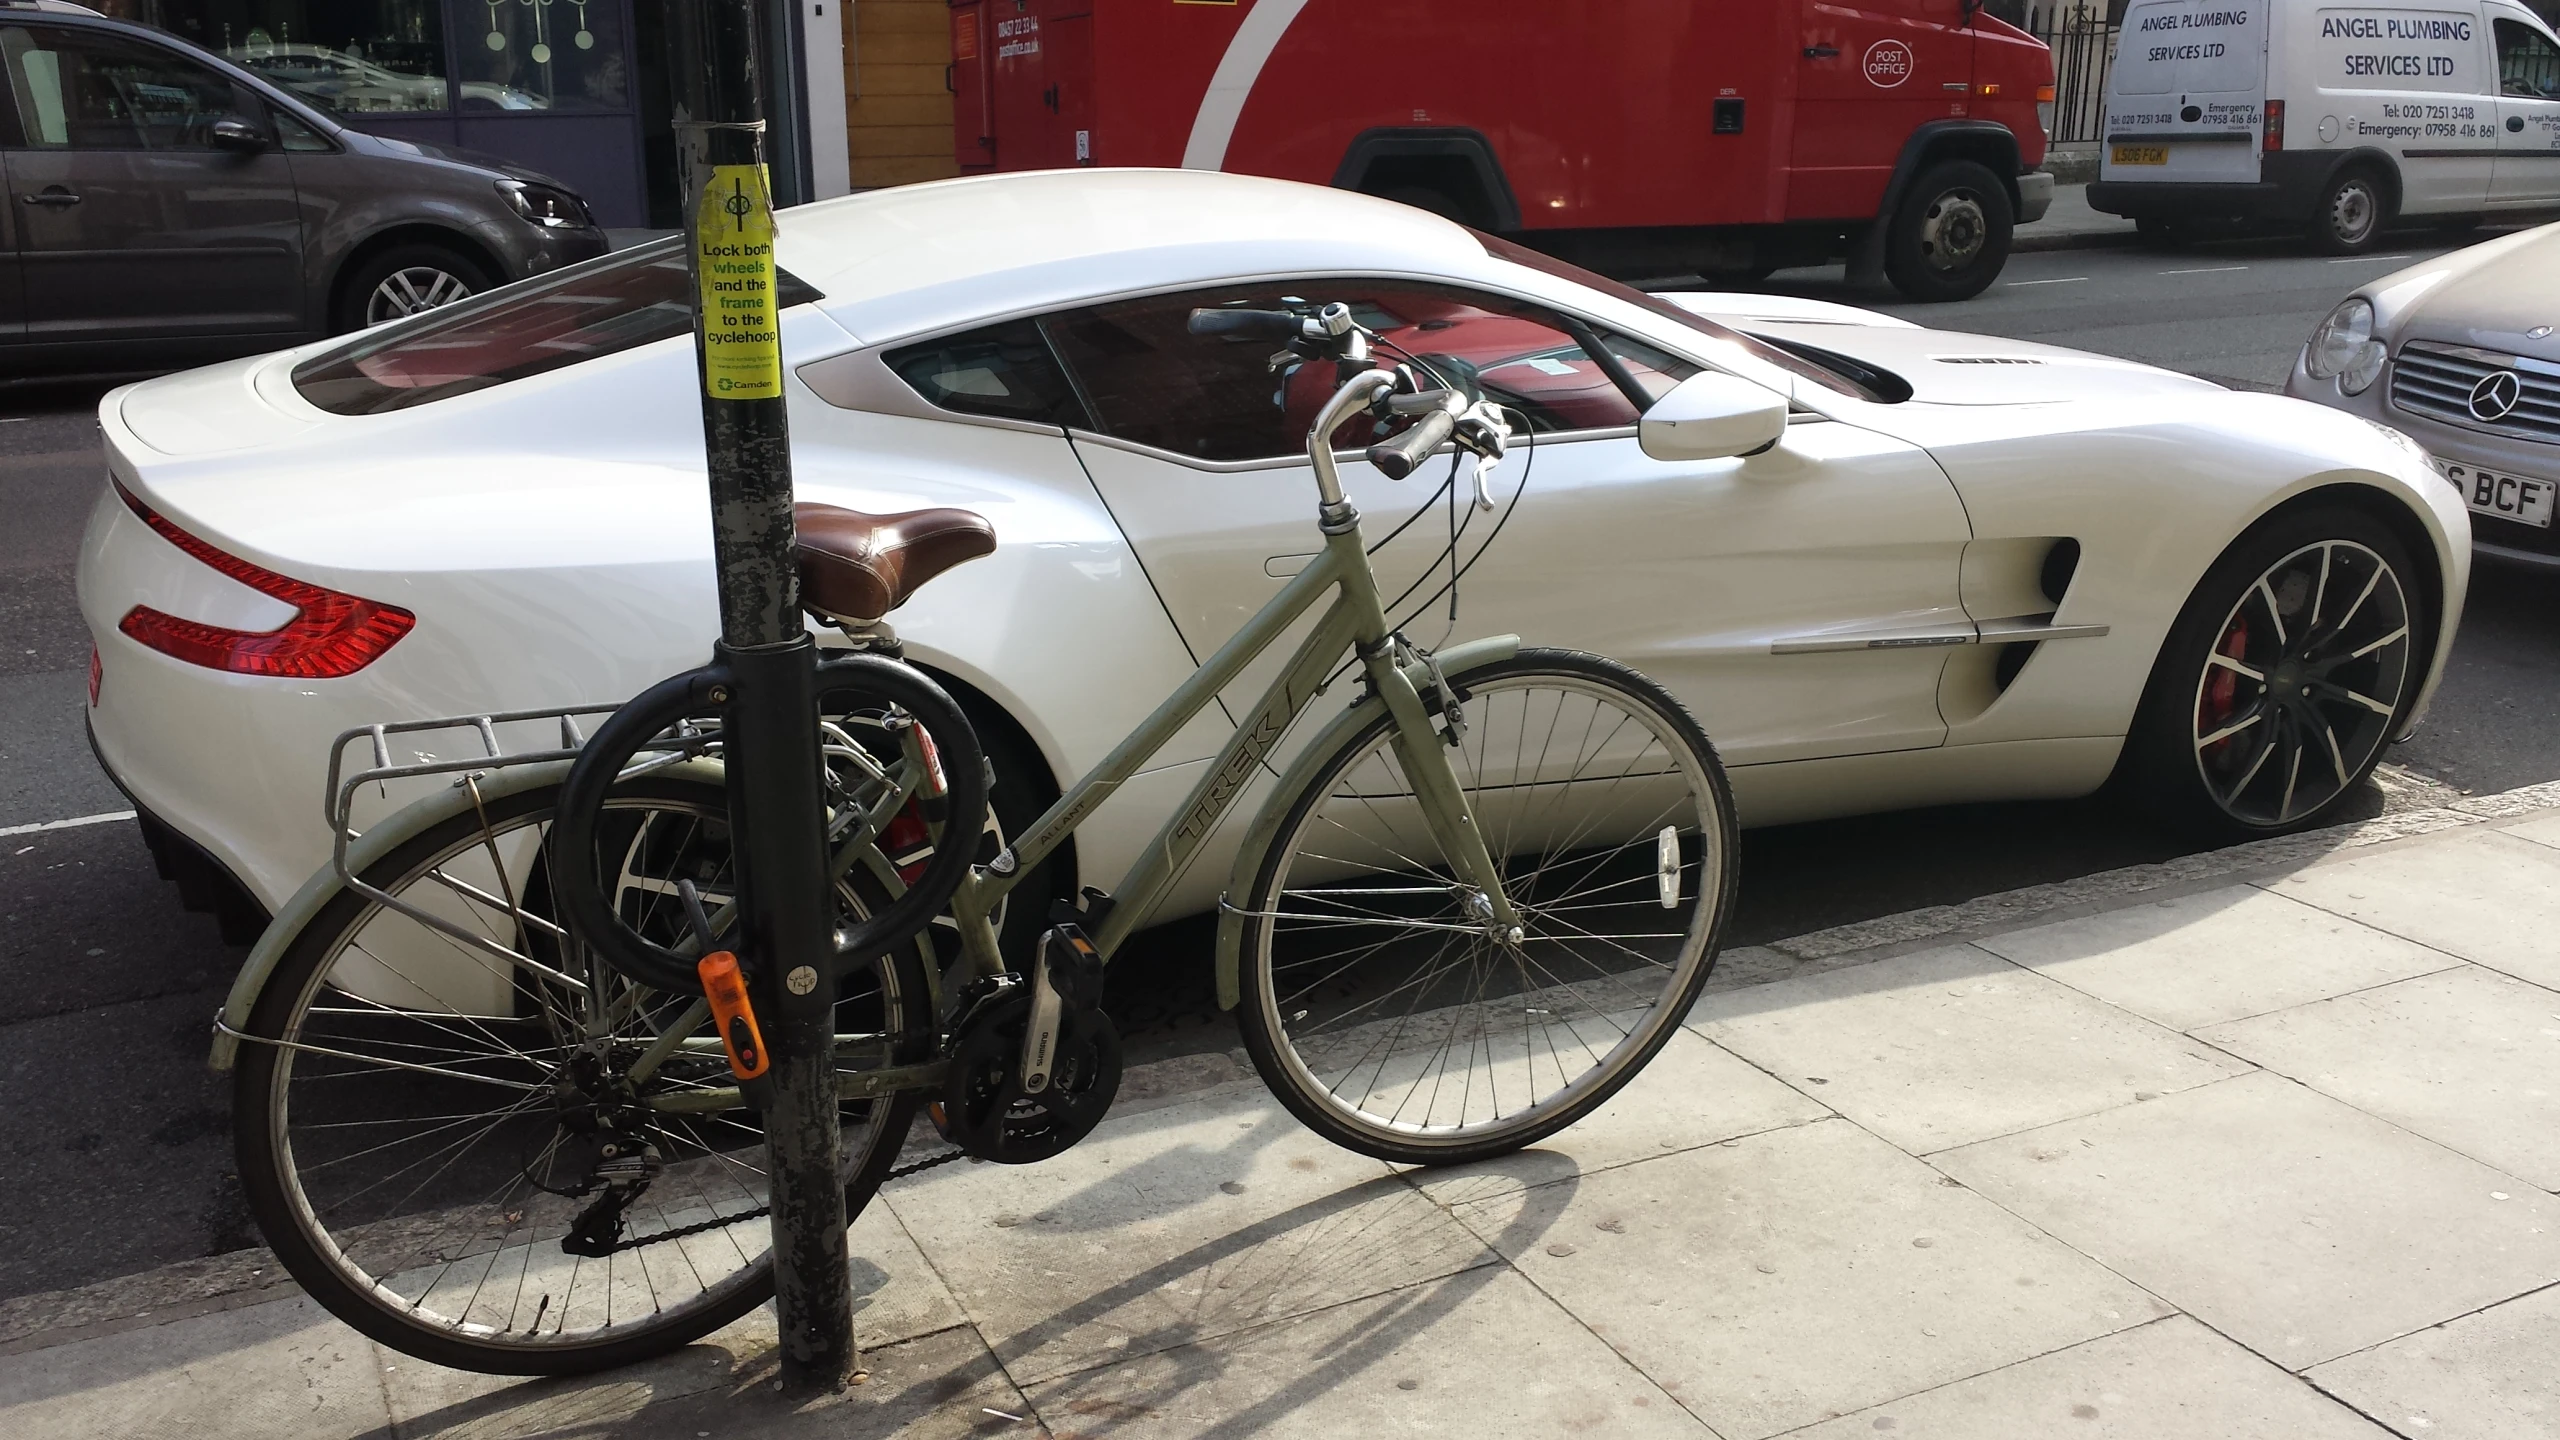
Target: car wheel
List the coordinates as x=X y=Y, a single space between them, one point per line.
x=405 y=280
x=2292 y=665
x=2352 y=212
x=1951 y=235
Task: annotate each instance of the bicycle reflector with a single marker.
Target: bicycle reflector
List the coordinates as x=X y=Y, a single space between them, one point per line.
x=331 y=634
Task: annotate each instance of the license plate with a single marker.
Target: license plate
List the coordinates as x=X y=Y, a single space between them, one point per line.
x=2520 y=498
x=2141 y=155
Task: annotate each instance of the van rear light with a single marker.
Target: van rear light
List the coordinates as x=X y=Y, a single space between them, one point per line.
x=2275 y=125
x=331 y=634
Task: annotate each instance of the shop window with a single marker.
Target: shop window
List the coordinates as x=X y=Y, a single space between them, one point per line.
x=543 y=55
x=353 y=57
x=83 y=90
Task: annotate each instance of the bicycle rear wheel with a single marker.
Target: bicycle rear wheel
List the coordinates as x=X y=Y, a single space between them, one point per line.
x=1382 y=1006
x=426 y=1131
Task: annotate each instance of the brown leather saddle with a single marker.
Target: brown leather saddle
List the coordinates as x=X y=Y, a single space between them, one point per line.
x=856 y=568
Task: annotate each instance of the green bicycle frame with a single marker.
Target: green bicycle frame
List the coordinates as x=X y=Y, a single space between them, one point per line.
x=1356 y=621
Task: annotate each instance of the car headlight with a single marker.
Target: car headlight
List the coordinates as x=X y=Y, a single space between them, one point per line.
x=546 y=206
x=2344 y=348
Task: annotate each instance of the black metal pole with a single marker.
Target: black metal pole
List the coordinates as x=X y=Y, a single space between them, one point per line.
x=769 y=717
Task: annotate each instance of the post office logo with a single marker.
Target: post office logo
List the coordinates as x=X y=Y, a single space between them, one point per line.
x=1888 y=64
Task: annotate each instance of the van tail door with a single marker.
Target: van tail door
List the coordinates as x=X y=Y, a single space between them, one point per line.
x=2187 y=101
x=1869 y=72
x=2528 y=165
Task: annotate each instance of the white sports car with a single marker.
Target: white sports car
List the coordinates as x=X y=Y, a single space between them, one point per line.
x=1972 y=569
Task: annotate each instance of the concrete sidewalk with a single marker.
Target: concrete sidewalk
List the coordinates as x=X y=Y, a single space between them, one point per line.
x=2260 y=1144
x=2072 y=225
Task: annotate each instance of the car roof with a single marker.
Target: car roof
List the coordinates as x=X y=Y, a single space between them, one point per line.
x=916 y=258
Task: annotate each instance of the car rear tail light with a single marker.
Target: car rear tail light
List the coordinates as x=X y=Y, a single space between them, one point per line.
x=2275 y=125
x=330 y=635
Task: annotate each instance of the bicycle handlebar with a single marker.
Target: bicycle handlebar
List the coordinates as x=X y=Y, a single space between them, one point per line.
x=1248 y=324
x=1397 y=458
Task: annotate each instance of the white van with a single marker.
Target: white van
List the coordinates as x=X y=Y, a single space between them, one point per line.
x=2329 y=118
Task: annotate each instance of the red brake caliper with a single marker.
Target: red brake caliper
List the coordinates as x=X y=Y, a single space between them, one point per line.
x=2222 y=687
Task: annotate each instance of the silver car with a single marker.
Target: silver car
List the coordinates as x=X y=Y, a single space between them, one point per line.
x=2463 y=353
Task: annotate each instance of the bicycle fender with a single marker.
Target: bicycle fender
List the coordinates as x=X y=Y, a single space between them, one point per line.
x=1454 y=662
x=362 y=853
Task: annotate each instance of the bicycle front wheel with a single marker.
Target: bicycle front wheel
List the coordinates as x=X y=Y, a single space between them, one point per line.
x=1383 y=1006
x=505 y=1156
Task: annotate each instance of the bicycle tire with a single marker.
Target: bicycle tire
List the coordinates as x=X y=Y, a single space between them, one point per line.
x=1305 y=1009
x=279 y=1185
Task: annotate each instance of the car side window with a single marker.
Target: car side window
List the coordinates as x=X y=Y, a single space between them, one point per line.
x=1002 y=370
x=2528 y=64
x=1152 y=382
x=82 y=90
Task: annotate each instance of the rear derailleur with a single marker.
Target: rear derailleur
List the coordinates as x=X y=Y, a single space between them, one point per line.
x=1034 y=1063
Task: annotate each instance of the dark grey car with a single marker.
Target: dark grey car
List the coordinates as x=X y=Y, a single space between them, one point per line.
x=167 y=208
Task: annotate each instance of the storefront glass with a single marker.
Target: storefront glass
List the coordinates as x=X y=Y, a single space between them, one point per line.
x=543 y=55
x=354 y=57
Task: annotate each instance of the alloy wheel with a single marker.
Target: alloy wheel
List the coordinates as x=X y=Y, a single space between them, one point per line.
x=2299 y=692
x=407 y=291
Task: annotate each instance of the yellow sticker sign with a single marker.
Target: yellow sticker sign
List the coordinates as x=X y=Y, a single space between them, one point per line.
x=742 y=336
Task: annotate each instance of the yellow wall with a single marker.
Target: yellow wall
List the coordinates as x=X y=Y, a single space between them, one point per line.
x=897 y=112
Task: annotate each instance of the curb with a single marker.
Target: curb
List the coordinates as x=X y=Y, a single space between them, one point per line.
x=249 y=1277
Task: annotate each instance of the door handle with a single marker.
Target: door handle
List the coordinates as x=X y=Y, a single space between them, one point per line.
x=1821 y=52
x=51 y=195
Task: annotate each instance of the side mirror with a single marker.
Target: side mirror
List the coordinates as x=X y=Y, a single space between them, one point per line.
x=1712 y=416
x=233 y=133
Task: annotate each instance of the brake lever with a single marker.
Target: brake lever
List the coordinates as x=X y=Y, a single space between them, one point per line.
x=1485 y=435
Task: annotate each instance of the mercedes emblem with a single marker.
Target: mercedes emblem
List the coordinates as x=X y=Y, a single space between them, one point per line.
x=2538 y=332
x=2495 y=395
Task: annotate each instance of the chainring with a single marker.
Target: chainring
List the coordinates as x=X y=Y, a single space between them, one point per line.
x=984 y=1110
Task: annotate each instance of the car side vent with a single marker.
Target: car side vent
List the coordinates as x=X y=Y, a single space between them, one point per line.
x=1985 y=360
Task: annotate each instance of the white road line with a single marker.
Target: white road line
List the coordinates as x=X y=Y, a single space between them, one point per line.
x=76 y=822
x=2065 y=280
x=2207 y=270
x=2352 y=259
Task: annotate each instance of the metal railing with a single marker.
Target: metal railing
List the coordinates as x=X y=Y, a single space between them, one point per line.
x=2083 y=39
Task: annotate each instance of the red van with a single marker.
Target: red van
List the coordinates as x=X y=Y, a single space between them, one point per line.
x=1638 y=137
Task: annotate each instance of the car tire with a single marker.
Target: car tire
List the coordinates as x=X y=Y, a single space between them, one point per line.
x=2259 y=717
x=404 y=280
x=1950 y=236
x=2354 y=208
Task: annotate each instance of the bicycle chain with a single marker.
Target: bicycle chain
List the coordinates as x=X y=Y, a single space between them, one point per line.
x=722 y=1222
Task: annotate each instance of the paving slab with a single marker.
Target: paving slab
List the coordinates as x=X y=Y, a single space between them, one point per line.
x=2486 y=1376
x=896 y=1297
x=2468 y=1058
x=1954 y=1045
x=1481 y=1353
x=1694 y=1093
x=2484 y=895
x=1170 y=1228
x=937 y=1387
x=2542 y=830
x=2297 y=1225
x=2170 y=1380
x=284 y=1370
x=2220 y=955
x=1774 y=1281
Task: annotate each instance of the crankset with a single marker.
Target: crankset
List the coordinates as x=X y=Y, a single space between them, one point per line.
x=1034 y=1064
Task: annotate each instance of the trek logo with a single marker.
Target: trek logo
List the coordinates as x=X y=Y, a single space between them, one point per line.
x=1888 y=64
x=1266 y=732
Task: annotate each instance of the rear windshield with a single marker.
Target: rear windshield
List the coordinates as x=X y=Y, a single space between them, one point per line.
x=1757 y=349
x=600 y=308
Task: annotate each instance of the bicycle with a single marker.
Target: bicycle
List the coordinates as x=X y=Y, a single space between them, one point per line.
x=1478 y=900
